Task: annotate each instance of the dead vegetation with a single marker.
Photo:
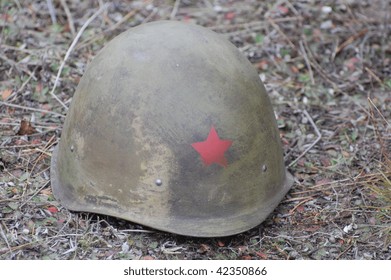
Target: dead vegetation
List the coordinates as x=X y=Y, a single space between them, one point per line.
x=327 y=68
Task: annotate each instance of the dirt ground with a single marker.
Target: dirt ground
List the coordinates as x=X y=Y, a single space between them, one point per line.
x=327 y=69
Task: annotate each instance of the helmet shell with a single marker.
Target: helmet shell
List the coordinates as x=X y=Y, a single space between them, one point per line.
x=171 y=127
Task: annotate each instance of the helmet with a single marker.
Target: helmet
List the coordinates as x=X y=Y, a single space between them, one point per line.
x=171 y=127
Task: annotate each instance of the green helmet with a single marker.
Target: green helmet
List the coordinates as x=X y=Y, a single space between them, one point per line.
x=171 y=127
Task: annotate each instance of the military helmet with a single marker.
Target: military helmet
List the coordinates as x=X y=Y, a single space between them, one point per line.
x=170 y=127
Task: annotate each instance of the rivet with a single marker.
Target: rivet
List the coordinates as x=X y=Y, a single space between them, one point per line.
x=158 y=182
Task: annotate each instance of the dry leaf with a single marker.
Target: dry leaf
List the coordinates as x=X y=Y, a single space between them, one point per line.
x=220 y=243
x=6 y=93
x=52 y=209
x=25 y=128
x=261 y=255
x=203 y=249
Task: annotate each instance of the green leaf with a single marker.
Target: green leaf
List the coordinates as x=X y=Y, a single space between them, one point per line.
x=24 y=177
x=13 y=205
x=153 y=245
x=259 y=38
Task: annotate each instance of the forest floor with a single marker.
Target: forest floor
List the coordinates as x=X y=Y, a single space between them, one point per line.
x=327 y=68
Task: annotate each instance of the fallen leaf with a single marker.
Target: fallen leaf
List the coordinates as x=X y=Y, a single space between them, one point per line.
x=230 y=15
x=242 y=248
x=300 y=209
x=351 y=63
x=283 y=10
x=149 y=258
x=6 y=93
x=220 y=243
x=52 y=209
x=246 y=257
x=294 y=69
x=203 y=249
x=312 y=228
x=261 y=255
x=25 y=128
x=47 y=192
x=262 y=65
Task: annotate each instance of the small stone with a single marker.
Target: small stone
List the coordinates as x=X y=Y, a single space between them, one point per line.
x=328 y=24
x=326 y=9
x=218 y=9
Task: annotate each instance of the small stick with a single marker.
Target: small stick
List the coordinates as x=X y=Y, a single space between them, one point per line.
x=31 y=109
x=137 y=230
x=373 y=75
x=52 y=11
x=104 y=7
x=377 y=109
x=314 y=143
x=175 y=9
x=34 y=194
x=300 y=203
x=273 y=23
x=350 y=40
x=298 y=198
x=342 y=253
x=69 y=16
x=5 y=238
x=307 y=62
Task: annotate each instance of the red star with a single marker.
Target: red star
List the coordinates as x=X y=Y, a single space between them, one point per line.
x=213 y=148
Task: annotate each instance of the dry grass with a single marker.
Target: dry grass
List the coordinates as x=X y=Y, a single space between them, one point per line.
x=327 y=73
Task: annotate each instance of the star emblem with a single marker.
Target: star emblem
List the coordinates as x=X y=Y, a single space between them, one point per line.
x=213 y=148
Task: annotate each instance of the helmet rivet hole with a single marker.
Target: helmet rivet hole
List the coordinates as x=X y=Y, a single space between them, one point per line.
x=264 y=168
x=72 y=148
x=158 y=182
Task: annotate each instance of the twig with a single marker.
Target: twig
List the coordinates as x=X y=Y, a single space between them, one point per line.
x=175 y=9
x=350 y=40
x=317 y=67
x=43 y=151
x=100 y=35
x=249 y=25
x=5 y=238
x=34 y=194
x=138 y=230
x=377 y=109
x=373 y=75
x=298 y=204
x=273 y=23
x=307 y=62
x=15 y=65
x=69 y=16
x=298 y=198
x=281 y=251
x=23 y=85
x=347 y=249
x=314 y=143
x=3 y=251
x=104 y=7
x=31 y=109
x=52 y=11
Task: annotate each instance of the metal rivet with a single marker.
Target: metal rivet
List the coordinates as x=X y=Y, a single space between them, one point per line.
x=72 y=148
x=264 y=168
x=158 y=182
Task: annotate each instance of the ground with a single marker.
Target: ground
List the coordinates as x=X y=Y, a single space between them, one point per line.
x=327 y=69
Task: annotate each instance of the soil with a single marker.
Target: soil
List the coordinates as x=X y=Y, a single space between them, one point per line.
x=326 y=66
